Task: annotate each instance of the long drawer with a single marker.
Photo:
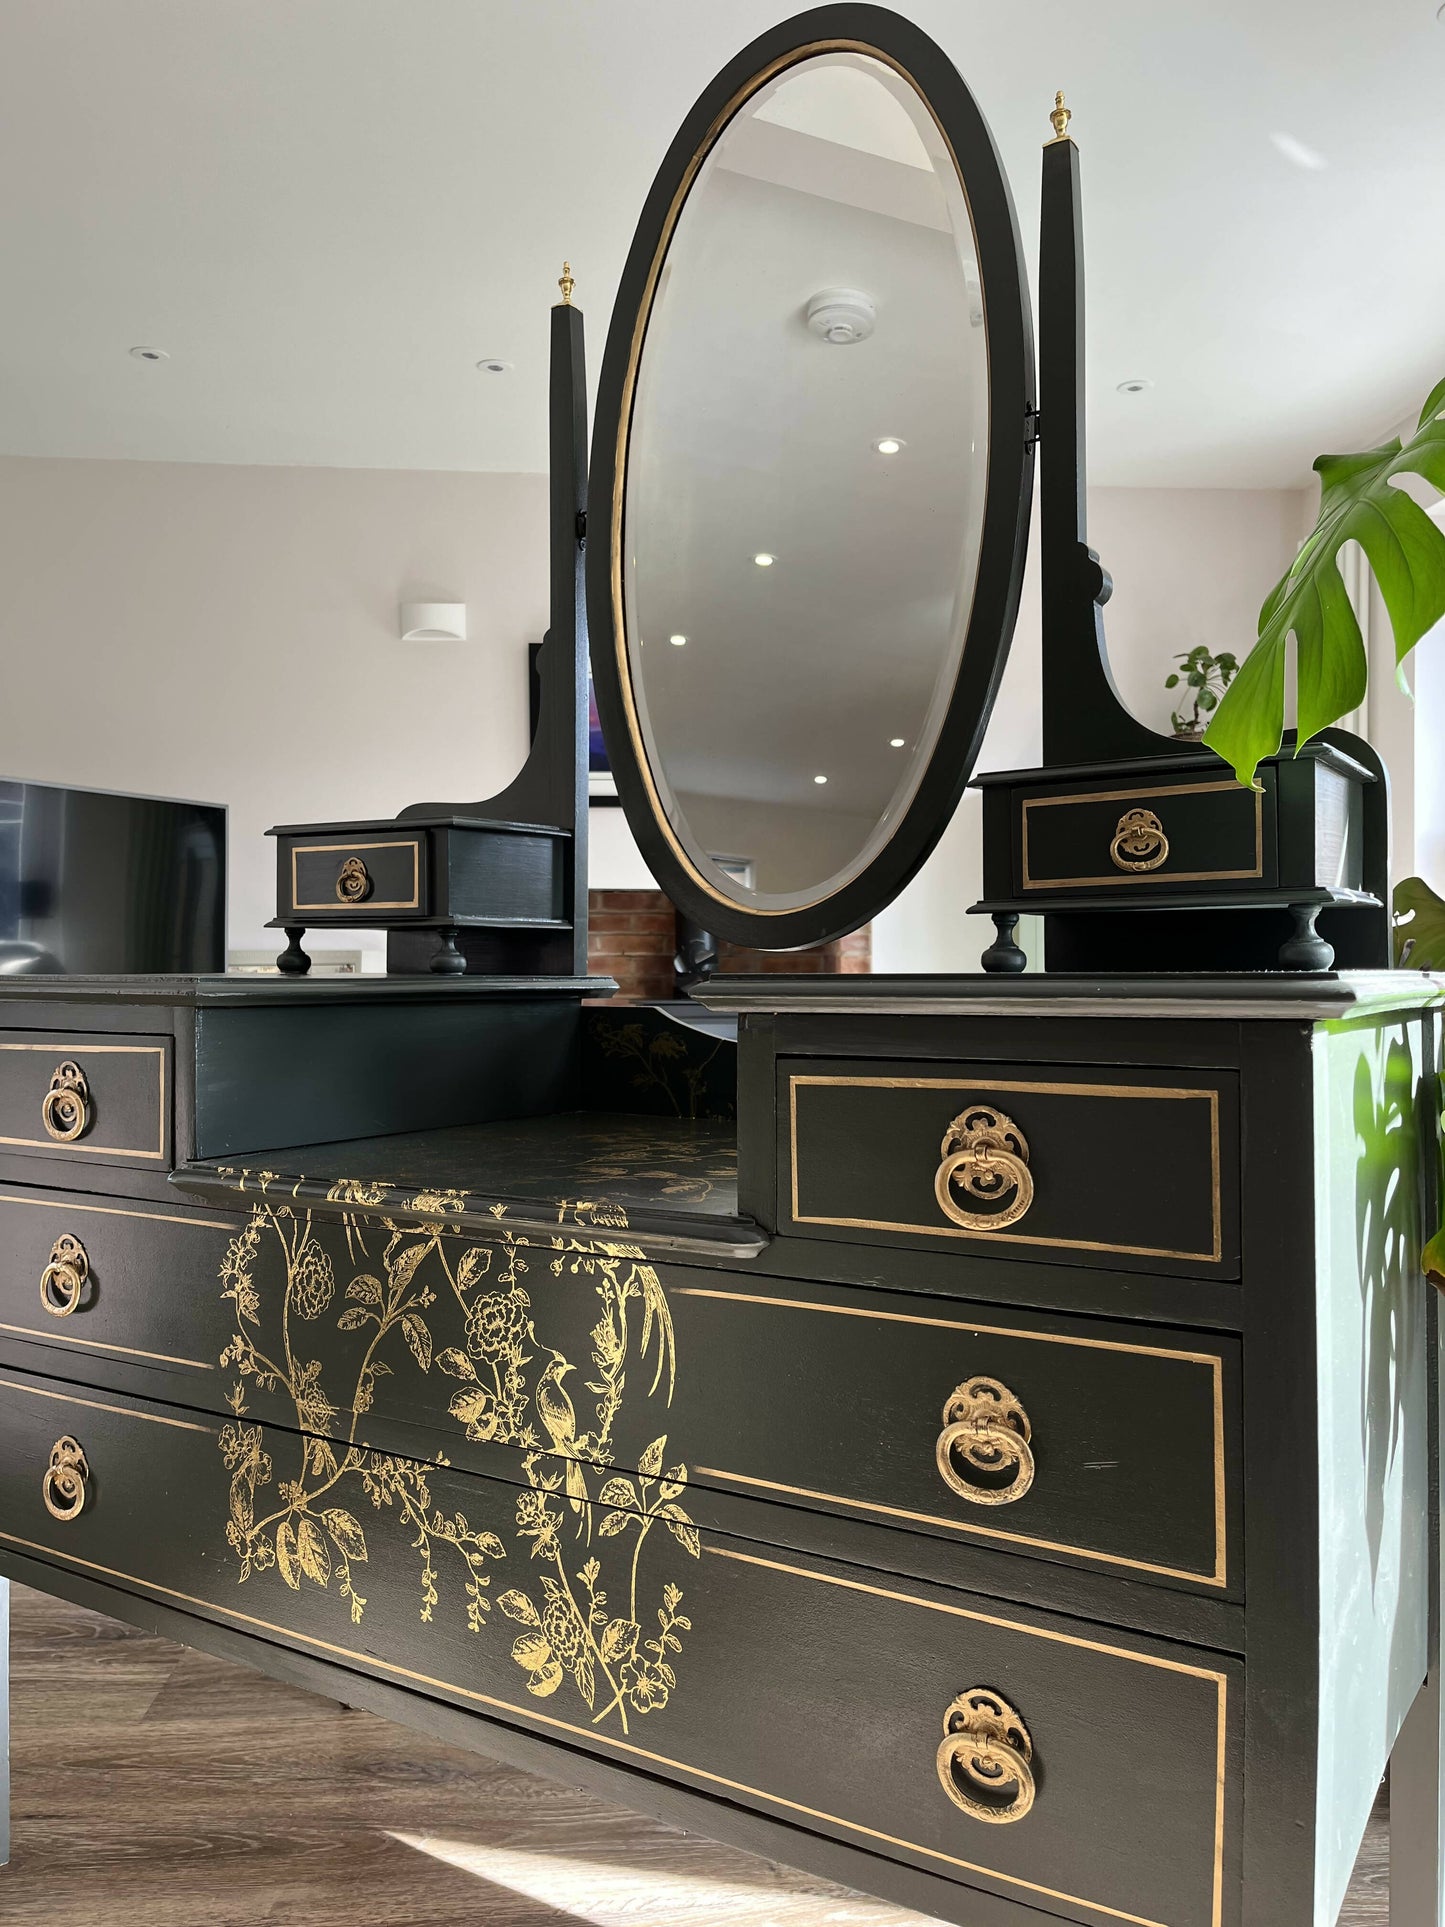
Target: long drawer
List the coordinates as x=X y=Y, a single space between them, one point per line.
x=98 y=1098
x=1089 y=1772
x=1060 y=1438
x=1135 y=1168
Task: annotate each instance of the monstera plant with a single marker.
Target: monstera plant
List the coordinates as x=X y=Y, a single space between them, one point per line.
x=1359 y=502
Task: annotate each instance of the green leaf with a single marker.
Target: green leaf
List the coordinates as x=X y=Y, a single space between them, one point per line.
x=1406 y=551
x=1420 y=923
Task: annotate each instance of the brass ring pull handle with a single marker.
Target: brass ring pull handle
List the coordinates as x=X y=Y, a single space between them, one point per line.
x=986 y=1155
x=65 y=1109
x=986 y=1745
x=985 y=1427
x=62 y=1283
x=63 y=1487
x=353 y=881
x=1139 y=842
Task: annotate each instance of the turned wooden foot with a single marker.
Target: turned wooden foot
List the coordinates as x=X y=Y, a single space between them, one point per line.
x=449 y=961
x=1305 y=948
x=1003 y=954
x=293 y=959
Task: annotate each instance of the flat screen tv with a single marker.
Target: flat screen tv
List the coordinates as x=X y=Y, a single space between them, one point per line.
x=95 y=883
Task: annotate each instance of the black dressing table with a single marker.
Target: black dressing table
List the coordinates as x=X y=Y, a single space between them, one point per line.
x=973 y=1437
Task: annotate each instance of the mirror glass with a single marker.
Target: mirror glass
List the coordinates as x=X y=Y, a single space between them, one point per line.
x=805 y=481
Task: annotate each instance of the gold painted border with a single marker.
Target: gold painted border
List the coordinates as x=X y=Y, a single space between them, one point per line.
x=113 y=1211
x=1010 y=1236
x=1213 y=1360
x=56 y=1148
x=1152 y=876
x=67 y=1205
x=413 y=902
x=370 y=1663
x=95 y=1405
x=714 y=133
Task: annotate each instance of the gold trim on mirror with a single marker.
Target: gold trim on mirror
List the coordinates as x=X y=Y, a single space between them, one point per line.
x=335 y=906
x=720 y=122
x=1160 y=795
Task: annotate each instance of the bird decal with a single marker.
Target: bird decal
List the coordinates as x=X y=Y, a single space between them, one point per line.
x=559 y=1420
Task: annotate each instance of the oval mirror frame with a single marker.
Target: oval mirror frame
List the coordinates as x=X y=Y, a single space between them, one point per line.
x=881 y=35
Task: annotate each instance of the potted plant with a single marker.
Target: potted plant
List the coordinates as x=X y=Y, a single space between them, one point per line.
x=1205 y=678
x=1359 y=502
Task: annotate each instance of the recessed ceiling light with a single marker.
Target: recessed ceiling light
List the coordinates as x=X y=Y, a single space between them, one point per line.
x=1135 y=385
x=889 y=445
x=895 y=742
x=820 y=779
x=492 y=366
x=677 y=641
x=149 y=354
x=765 y=561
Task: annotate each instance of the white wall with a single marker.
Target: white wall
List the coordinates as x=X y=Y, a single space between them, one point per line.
x=1189 y=565
x=229 y=634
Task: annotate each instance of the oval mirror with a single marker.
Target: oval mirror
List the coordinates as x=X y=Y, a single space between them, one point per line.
x=810 y=483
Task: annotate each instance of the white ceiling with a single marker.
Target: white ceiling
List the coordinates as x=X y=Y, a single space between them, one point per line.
x=328 y=210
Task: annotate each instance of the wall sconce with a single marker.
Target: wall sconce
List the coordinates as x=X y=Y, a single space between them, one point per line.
x=433 y=621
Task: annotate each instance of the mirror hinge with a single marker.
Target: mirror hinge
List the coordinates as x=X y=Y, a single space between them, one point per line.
x=1031 y=427
x=581 y=525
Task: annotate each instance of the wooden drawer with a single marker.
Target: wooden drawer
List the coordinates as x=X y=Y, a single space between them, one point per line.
x=1146 y=839
x=1131 y=1168
x=801 y=1688
x=112 y=1280
x=353 y=877
x=102 y=1098
x=514 y=1345
x=1054 y=1437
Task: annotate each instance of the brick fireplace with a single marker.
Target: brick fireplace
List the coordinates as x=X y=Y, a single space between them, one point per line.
x=632 y=934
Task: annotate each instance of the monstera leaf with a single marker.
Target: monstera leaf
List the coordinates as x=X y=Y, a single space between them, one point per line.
x=1419 y=925
x=1358 y=502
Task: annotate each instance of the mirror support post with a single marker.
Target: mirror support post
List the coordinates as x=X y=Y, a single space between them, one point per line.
x=1084 y=719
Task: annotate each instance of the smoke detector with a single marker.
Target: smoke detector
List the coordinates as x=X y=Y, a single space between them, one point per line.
x=841 y=315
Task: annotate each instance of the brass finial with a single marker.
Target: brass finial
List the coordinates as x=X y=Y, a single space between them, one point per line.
x=567 y=284
x=1061 y=116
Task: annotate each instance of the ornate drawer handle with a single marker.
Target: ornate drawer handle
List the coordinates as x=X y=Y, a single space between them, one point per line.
x=63 y=1488
x=987 y=1155
x=65 y=1108
x=985 y=1741
x=1139 y=842
x=985 y=1427
x=353 y=881
x=63 y=1280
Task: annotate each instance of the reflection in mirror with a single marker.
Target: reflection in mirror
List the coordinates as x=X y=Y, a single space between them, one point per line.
x=805 y=481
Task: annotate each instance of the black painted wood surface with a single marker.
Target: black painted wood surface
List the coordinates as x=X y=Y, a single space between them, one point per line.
x=482 y=1595
x=127 y=1082
x=1132 y=1169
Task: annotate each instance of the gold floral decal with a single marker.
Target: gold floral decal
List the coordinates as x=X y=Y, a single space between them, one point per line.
x=306 y=1535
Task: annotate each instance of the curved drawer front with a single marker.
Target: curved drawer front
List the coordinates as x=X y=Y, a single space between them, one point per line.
x=116 y=1280
x=1133 y=1168
x=1048 y=1436
x=97 y=1098
x=1087 y=1772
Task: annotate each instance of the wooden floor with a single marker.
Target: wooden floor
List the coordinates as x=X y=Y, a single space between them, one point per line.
x=155 y=1787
